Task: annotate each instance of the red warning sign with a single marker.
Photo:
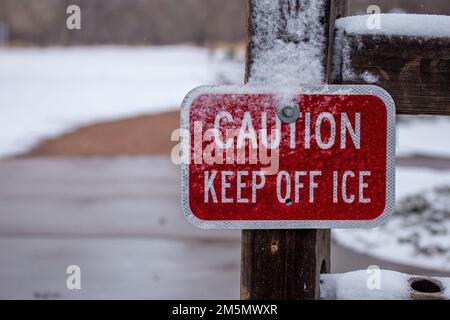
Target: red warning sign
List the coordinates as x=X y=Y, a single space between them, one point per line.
x=320 y=158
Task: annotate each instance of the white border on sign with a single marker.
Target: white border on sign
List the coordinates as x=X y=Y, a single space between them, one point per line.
x=296 y=224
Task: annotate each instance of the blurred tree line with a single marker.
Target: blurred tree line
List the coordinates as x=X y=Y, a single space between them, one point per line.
x=43 y=22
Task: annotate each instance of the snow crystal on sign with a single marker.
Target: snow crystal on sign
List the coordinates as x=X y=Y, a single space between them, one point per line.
x=359 y=285
x=281 y=63
x=414 y=25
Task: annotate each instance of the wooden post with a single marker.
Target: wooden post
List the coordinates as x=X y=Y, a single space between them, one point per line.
x=286 y=264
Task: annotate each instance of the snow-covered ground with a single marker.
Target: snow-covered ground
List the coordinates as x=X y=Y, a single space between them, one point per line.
x=425 y=136
x=419 y=232
x=47 y=92
x=371 y=284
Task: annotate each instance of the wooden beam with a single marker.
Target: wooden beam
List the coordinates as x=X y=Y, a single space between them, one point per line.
x=414 y=70
x=286 y=264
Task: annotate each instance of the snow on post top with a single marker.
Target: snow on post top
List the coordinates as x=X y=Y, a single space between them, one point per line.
x=412 y=25
x=288 y=44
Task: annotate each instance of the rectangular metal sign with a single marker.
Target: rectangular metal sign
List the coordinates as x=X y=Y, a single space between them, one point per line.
x=323 y=157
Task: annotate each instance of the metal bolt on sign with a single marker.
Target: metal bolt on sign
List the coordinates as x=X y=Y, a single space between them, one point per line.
x=289 y=114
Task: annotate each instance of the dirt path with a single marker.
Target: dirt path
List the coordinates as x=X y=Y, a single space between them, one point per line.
x=145 y=135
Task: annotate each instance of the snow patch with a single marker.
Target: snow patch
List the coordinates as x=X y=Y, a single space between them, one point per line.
x=369 y=77
x=354 y=286
x=420 y=136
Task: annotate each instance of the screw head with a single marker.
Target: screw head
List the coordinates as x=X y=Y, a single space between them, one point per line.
x=288 y=114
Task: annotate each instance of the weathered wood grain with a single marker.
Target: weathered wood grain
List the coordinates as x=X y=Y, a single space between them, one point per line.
x=286 y=264
x=414 y=70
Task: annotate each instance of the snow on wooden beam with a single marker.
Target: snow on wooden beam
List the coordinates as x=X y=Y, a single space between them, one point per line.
x=409 y=56
x=409 y=25
x=376 y=284
x=291 y=41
